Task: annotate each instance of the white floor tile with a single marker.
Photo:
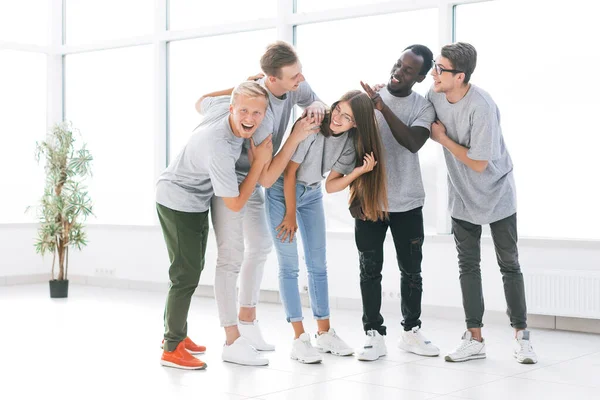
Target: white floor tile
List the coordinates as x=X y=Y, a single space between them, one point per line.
x=583 y=371
x=515 y=388
x=338 y=389
x=422 y=378
x=105 y=343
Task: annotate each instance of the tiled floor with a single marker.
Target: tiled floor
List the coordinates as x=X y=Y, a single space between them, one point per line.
x=104 y=344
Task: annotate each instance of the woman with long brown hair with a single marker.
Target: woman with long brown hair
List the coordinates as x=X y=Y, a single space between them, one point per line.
x=350 y=149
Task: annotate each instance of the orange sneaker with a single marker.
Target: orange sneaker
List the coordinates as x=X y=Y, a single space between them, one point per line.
x=190 y=346
x=181 y=358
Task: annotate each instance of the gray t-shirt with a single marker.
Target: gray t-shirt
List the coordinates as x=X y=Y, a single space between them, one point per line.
x=275 y=122
x=204 y=167
x=404 y=182
x=317 y=155
x=474 y=122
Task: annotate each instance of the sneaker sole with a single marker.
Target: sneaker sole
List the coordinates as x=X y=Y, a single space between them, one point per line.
x=173 y=365
x=474 y=357
x=416 y=350
x=359 y=358
x=335 y=353
x=249 y=363
x=526 y=360
x=306 y=361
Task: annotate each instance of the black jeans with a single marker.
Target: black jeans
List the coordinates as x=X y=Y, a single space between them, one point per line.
x=407 y=231
x=504 y=234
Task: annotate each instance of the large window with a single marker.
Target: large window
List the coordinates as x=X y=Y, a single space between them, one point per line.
x=537 y=61
x=336 y=56
x=186 y=14
x=535 y=58
x=109 y=98
x=24 y=21
x=205 y=65
x=98 y=20
x=23 y=122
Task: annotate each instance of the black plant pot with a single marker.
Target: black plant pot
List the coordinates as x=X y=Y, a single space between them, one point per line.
x=59 y=289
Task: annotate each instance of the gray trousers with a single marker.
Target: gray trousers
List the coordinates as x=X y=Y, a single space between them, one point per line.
x=243 y=244
x=504 y=234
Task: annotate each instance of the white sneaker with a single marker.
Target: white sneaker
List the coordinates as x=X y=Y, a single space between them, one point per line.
x=304 y=352
x=330 y=342
x=251 y=331
x=469 y=349
x=523 y=351
x=374 y=347
x=241 y=352
x=413 y=341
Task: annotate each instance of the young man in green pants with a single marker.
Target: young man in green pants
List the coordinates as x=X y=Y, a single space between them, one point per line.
x=205 y=167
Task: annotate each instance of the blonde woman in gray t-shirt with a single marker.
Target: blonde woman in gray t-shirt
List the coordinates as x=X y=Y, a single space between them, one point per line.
x=348 y=148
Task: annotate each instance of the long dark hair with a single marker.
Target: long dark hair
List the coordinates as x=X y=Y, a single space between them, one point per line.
x=370 y=189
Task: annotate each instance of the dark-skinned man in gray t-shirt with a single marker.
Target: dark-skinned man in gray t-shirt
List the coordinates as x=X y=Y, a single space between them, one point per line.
x=404 y=118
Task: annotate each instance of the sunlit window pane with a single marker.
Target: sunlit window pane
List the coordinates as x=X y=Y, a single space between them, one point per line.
x=200 y=66
x=23 y=122
x=334 y=64
x=303 y=6
x=542 y=79
x=109 y=98
x=24 y=21
x=186 y=14
x=98 y=20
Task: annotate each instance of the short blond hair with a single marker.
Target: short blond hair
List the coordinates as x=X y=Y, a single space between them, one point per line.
x=278 y=55
x=249 y=89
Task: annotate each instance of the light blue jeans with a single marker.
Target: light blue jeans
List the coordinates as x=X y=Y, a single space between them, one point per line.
x=310 y=217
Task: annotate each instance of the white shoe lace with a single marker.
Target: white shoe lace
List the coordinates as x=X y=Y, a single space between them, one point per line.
x=308 y=347
x=337 y=342
x=463 y=345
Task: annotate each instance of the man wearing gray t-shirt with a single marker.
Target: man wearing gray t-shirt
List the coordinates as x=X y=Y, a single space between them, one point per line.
x=204 y=168
x=481 y=190
x=244 y=237
x=404 y=118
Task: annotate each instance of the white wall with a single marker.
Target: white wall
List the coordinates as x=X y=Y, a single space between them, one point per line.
x=139 y=254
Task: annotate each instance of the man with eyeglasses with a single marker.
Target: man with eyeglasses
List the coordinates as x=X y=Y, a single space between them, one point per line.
x=481 y=190
x=404 y=118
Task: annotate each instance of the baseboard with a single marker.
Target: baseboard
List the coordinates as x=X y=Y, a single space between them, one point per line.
x=578 y=324
x=588 y=325
x=25 y=279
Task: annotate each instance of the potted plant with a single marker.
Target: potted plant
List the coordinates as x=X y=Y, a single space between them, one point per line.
x=65 y=204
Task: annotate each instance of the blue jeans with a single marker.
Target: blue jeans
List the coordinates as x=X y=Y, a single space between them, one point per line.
x=310 y=217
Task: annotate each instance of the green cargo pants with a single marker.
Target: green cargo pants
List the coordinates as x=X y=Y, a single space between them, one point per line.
x=185 y=235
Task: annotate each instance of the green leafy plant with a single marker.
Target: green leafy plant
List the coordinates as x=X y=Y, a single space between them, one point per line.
x=65 y=204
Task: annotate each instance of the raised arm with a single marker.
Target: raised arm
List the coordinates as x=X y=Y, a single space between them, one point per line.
x=224 y=92
x=337 y=182
x=261 y=155
x=302 y=129
x=438 y=134
x=410 y=137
